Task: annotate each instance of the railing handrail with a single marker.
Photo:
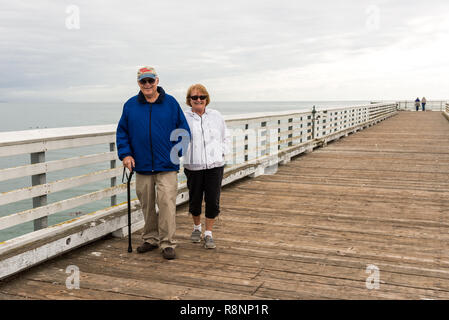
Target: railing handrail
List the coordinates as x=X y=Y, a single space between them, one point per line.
x=52 y=134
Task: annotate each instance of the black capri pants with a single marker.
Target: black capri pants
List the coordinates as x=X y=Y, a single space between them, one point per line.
x=205 y=183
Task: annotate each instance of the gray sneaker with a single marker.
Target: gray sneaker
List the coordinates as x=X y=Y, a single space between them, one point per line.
x=209 y=242
x=196 y=236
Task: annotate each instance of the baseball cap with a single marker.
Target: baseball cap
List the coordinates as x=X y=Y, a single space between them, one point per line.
x=146 y=72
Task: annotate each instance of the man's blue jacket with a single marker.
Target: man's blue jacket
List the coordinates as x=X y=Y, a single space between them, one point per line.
x=144 y=131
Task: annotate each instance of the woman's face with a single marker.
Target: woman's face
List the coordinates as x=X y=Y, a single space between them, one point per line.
x=198 y=105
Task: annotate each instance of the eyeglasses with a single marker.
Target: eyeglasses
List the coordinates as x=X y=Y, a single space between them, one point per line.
x=149 y=80
x=196 y=97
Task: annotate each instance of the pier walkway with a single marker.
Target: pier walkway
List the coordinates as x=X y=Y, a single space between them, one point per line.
x=378 y=198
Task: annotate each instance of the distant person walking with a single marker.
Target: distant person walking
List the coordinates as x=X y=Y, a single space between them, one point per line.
x=144 y=144
x=417 y=103
x=204 y=161
x=423 y=103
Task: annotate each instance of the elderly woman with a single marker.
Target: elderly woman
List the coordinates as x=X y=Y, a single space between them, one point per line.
x=204 y=161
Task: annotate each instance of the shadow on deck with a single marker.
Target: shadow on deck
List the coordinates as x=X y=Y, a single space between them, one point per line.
x=379 y=197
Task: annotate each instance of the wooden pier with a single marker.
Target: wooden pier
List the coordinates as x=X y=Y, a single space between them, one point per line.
x=378 y=198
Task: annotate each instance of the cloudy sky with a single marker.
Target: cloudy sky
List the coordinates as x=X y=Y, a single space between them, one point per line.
x=241 y=50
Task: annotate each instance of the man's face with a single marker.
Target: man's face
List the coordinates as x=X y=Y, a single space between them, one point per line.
x=148 y=86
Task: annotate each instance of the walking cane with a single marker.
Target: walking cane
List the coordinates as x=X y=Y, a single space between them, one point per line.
x=130 y=248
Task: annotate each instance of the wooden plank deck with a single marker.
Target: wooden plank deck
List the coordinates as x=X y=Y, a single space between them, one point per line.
x=378 y=197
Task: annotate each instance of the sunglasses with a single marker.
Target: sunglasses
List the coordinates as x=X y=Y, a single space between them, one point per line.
x=149 y=80
x=196 y=97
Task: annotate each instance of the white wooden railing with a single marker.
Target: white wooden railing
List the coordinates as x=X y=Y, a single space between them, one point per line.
x=259 y=143
x=431 y=105
x=446 y=111
x=37 y=143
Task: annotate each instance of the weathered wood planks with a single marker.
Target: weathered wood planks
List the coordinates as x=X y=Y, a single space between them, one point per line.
x=379 y=197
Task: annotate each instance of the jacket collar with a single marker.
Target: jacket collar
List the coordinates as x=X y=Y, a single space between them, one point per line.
x=193 y=114
x=160 y=99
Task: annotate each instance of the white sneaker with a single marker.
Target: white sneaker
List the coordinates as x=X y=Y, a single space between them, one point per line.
x=209 y=242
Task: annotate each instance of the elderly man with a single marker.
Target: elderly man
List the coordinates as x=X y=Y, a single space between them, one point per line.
x=145 y=144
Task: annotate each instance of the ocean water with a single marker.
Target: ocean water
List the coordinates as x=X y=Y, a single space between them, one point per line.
x=26 y=116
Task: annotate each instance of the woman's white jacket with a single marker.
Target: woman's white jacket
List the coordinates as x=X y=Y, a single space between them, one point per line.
x=209 y=142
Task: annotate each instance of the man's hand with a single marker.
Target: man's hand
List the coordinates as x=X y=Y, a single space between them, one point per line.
x=129 y=163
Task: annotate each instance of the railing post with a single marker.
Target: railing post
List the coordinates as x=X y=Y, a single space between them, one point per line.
x=313 y=122
x=39 y=201
x=114 y=179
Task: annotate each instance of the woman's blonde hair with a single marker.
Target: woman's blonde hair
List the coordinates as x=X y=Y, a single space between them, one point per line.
x=201 y=89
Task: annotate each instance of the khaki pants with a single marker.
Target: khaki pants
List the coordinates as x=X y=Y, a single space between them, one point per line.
x=159 y=228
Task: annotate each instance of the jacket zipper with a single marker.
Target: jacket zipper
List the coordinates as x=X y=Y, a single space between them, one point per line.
x=151 y=142
x=204 y=141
